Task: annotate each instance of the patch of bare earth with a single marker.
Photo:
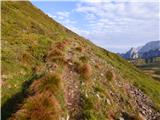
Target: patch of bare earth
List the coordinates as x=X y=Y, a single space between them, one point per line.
x=144 y=104
x=72 y=88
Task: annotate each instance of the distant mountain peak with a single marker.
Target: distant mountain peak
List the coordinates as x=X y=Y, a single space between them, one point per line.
x=143 y=51
x=133 y=49
x=150 y=46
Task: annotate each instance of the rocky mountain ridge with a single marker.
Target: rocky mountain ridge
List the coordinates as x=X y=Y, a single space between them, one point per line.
x=149 y=50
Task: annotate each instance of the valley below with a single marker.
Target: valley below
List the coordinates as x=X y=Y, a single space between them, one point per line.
x=152 y=69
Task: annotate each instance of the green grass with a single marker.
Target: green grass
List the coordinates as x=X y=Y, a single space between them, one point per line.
x=25 y=41
x=30 y=38
x=129 y=72
x=133 y=75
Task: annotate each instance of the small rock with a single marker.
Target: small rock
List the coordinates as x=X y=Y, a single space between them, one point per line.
x=70 y=63
x=141 y=116
x=102 y=74
x=67 y=117
x=86 y=95
x=51 y=71
x=108 y=101
x=4 y=76
x=69 y=104
x=143 y=112
x=82 y=83
x=98 y=96
x=121 y=118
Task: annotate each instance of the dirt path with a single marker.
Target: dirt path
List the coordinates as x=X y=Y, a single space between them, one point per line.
x=72 y=92
x=71 y=86
x=144 y=104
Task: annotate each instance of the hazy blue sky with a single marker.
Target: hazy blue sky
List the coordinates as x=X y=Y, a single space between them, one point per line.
x=116 y=26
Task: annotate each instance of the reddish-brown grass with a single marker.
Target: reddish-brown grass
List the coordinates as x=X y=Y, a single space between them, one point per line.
x=50 y=82
x=66 y=42
x=79 y=49
x=56 y=55
x=60 y=45
x=42 y=106
x=97 y=66
x=86 y=71
x=55 y=52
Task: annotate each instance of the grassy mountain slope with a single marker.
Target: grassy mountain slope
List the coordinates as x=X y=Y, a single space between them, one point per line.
x=49 y=72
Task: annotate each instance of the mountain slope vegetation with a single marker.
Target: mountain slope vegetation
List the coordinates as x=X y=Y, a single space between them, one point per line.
x=51 y=73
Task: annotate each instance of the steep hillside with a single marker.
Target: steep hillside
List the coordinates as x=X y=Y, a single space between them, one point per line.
x=51 y=73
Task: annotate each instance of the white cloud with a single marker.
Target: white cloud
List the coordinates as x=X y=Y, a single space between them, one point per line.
x=52 y=16
x=62 y=15
x=119 y=23
x=119 y=17
x=95 y=1
x=90 y=16
x=113 y=23
x=105 y=9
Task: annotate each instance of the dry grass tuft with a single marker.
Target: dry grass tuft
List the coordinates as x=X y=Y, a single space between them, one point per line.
x=66 y=42
x=86 y=71
x=50 y=83
x=79 y=49
x=84 y=59
x=56 y=55
x=97 y=66
x=141 y=117
x=109 y=75
x=61 y=45
x=39 y=107
x=55 y=52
